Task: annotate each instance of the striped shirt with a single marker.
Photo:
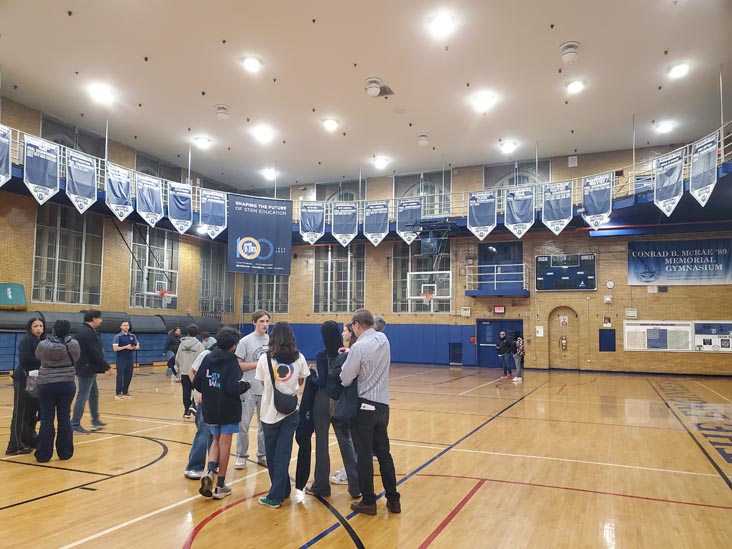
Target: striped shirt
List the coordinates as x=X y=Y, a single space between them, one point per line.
x=369 y=360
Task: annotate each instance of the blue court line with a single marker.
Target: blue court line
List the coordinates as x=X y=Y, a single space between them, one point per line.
x=434 y=458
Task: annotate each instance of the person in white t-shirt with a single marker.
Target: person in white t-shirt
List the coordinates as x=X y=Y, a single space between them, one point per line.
x=289 y=369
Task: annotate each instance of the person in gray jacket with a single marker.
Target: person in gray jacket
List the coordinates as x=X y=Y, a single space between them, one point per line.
x=56 y=390
x=188 y=351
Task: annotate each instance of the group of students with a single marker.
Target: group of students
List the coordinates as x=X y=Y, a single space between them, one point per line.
x=511 y=351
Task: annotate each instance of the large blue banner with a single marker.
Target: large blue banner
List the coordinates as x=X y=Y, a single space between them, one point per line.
x=482 y=213
x=556 y=213
x=668 y=181
x=5 y=139
x=312 y=221
x=149 y=198
x=41 y=168
x=81 y=179
x=180 y=211
x=703 y=172
x=409 y=212
x=119 y=191
x=597 y=199
x=520 y=210
x=345 y=222
x=680 y=262
x=213 y=212
x=260 y=235
x=376 y=221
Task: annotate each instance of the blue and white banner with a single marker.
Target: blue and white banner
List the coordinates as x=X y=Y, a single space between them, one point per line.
x=81 y=179
x=260 y=235
x=180 y=211
x=5 y=168
x=482 y=216
x=41 y=168
x=376 y=221
x=119 y=191
x=556 y=213
x=345 y=222
x=213 y=212
x=312 y=221
x=409 y=212
x=597 y=199
x=520 y=210
x=680 y=263
x=668 y=181
x=149 y=195
x=703 y=172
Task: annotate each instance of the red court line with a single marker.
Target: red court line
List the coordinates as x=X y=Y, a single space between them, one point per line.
x=192 y=536
x=436 y=532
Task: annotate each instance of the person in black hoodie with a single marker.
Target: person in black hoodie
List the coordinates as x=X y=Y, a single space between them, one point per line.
x=219 y=381
x=171 y=348
x=91 y=362
x=25 y=407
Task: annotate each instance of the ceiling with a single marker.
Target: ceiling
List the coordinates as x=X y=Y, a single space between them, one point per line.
x=171 y=61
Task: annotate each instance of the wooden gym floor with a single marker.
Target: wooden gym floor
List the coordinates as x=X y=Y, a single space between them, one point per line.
x=566 y=459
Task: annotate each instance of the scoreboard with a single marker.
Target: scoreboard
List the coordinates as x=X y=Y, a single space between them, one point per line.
x=565 y=272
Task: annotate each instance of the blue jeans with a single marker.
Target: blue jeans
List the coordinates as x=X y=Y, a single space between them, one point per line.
x=88 y=390
x=505 y=361
x=55 y=399
x=278 y=447
x=201 y=443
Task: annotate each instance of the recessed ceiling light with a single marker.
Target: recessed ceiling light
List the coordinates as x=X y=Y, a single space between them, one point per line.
x=483 y=101
x=101 y=93
x=269 y=174
x=381 y=162
x=507 y=147
x=442 y=25
x=330 y=124
x=575 y=87
x=263 y=133
x=201 y=229
x=665 y=126
x=679 y=71
x=252 y=64
x=202 y=142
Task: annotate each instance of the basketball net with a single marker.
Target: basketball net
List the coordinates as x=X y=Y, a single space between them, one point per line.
x=427 y=298
x=167 y=297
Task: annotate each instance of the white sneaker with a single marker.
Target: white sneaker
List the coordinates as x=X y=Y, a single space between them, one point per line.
x=340 y=477
x=241 y=463
x=517 y=380
x=221 y=493
x=193 y=475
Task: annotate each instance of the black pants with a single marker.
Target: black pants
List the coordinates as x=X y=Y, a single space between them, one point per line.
x=187 y=386
x=55 y=399
x=370 y=438
x=25 y=417
x=304 y=439
x=124 y=375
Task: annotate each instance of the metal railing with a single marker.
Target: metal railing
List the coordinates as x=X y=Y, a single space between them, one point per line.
x=495 y=277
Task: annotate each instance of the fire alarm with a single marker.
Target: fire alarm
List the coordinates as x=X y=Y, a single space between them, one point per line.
x=569 y=52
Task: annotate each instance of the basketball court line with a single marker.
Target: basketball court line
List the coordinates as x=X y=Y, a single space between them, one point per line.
x=412 y=375
x=713 y=391
x=478 y=387
x=595 y=423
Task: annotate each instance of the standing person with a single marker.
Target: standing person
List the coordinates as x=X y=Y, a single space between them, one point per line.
x=124 y=344
x=249 y=350
x=25 y=407
x=207 y=340
x=188 y=350
x=368 y=361
x=171 y=348
x=202 y=440
x=220 y=384
x=286 y=366
x=56 y=391
x=503 y=346
x=91 y=362
x=518 y=355
x=304 y=432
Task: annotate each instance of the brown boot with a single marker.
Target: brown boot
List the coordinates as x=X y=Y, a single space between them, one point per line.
x=361 y=507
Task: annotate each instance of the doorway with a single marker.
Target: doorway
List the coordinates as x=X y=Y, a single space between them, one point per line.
x=564 y=339
x=487 y=331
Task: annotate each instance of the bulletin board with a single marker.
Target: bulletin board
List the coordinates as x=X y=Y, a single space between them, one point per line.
x=658 y=335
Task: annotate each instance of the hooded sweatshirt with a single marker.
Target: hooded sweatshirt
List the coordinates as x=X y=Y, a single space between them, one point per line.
x=188 y=350
x=219 y=382
x=57 y=359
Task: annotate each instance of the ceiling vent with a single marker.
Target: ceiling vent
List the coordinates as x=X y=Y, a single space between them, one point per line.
x=375 y=87
x=569 y=52
x=423 y=139
x=222 y=112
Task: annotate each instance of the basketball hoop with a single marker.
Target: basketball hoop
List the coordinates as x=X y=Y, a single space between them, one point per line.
x=167 y=297
x=426 y=297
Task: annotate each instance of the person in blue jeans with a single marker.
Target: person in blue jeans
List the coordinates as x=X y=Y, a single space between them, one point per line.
x=504 y=347
x=202 y=440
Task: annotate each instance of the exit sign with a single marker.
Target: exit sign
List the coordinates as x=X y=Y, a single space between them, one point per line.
x=499 y=309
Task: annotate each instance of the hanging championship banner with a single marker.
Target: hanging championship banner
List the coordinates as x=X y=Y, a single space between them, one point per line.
x=345 y=222
x=376 y=221
x=149 y=194
x=119 y=191
x=180 y=211
x=41 y=168
x=520 y=210
x=482 y=213
x=409 y=212
x=81 y=179
x=260 y=235
x=312 y=221
x=668 y=181
x=597 y=199
x=703 y=172
x=556 y=212
x=5 y=139
x=213 y=212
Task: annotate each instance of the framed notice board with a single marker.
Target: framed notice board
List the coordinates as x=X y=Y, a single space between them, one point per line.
x=562 y=273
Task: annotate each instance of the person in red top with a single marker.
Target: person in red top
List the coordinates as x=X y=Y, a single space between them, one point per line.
x=518 y=355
